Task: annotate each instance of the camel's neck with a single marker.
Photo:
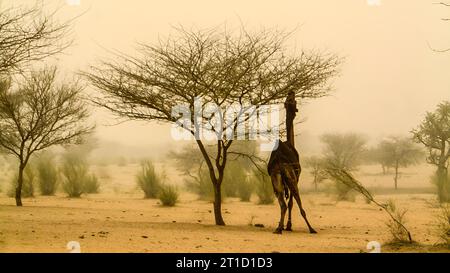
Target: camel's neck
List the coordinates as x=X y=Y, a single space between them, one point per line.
x=291 y=111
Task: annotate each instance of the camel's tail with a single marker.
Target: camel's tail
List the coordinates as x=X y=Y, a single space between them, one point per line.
x=285 y=186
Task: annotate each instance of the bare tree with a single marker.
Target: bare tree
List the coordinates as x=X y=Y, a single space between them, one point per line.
x=38 y=114
x=375 y=155
x=221 y=68
x=399 y=152
x=27 y=35
x=434 y=134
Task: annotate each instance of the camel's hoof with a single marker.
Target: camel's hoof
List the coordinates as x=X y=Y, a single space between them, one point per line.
x=278 y=231
x=312 y=231
x=288 y=229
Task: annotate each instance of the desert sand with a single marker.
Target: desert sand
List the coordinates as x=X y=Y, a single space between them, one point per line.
x=120 y=220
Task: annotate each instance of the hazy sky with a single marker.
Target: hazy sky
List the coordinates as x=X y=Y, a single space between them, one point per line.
x=389 y=80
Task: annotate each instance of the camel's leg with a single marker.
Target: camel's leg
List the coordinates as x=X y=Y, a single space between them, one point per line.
x=283 y=208
x=294 y=191
x=290 y=204
x=277 y=184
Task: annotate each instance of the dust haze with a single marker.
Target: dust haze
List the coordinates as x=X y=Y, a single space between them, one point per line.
x=389 y=79
x=371 y=170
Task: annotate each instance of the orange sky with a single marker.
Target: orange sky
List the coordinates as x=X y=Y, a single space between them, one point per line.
x=389 y=79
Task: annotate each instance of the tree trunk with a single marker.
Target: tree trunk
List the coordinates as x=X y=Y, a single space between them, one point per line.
x=315 y=182
x=217 y=182
x=396 y=176
x=19 y=185
x=218 y=204
x=442 y=184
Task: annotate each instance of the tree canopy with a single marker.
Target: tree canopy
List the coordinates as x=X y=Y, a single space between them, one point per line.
x=434 y=134
x=38 y=114
x=28 y=35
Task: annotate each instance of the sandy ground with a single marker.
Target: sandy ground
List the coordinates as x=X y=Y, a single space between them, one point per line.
x=119 y=220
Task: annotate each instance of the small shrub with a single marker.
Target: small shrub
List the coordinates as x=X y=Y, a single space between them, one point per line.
x=442 y=183
x=264 y=188
x=234 y=178
x=168 y=195
x=47 y=174
x=342 y=191
x=201 y=185
x=396 y=228
x=444 y=225
x=148 y=180
x=75 y=171
x=91 y=185
x=245 y=190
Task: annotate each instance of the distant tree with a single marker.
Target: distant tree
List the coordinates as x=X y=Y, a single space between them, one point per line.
x=28 y=35
x=397 y=152
x=374 y=155
x=39 y=114
x=434 y=134
x=343 y=151
x=221 y=68
x=317 y=169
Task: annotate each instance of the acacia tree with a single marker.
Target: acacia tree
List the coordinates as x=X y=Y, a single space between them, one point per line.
x=434 y=134
x=28 y=35
x=375 y=155
x=343 y=151
x=38 y=114
x=217 y=66
x=398 y=152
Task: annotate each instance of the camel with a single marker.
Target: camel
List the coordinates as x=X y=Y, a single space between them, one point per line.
x=284 y=169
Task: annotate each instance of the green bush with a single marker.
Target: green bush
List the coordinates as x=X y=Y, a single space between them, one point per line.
x=264 y=188
x=245 y=190
x=168 y=195
x=201 y=185
x=91 y=184
x=234 y=177
x=29 y=179
x=343 y=192
x=47 y=174
x=75 y=171
x=444 y=225
x=442 y=183
x=148 y=180
x=235 y=183
x=399 y=234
